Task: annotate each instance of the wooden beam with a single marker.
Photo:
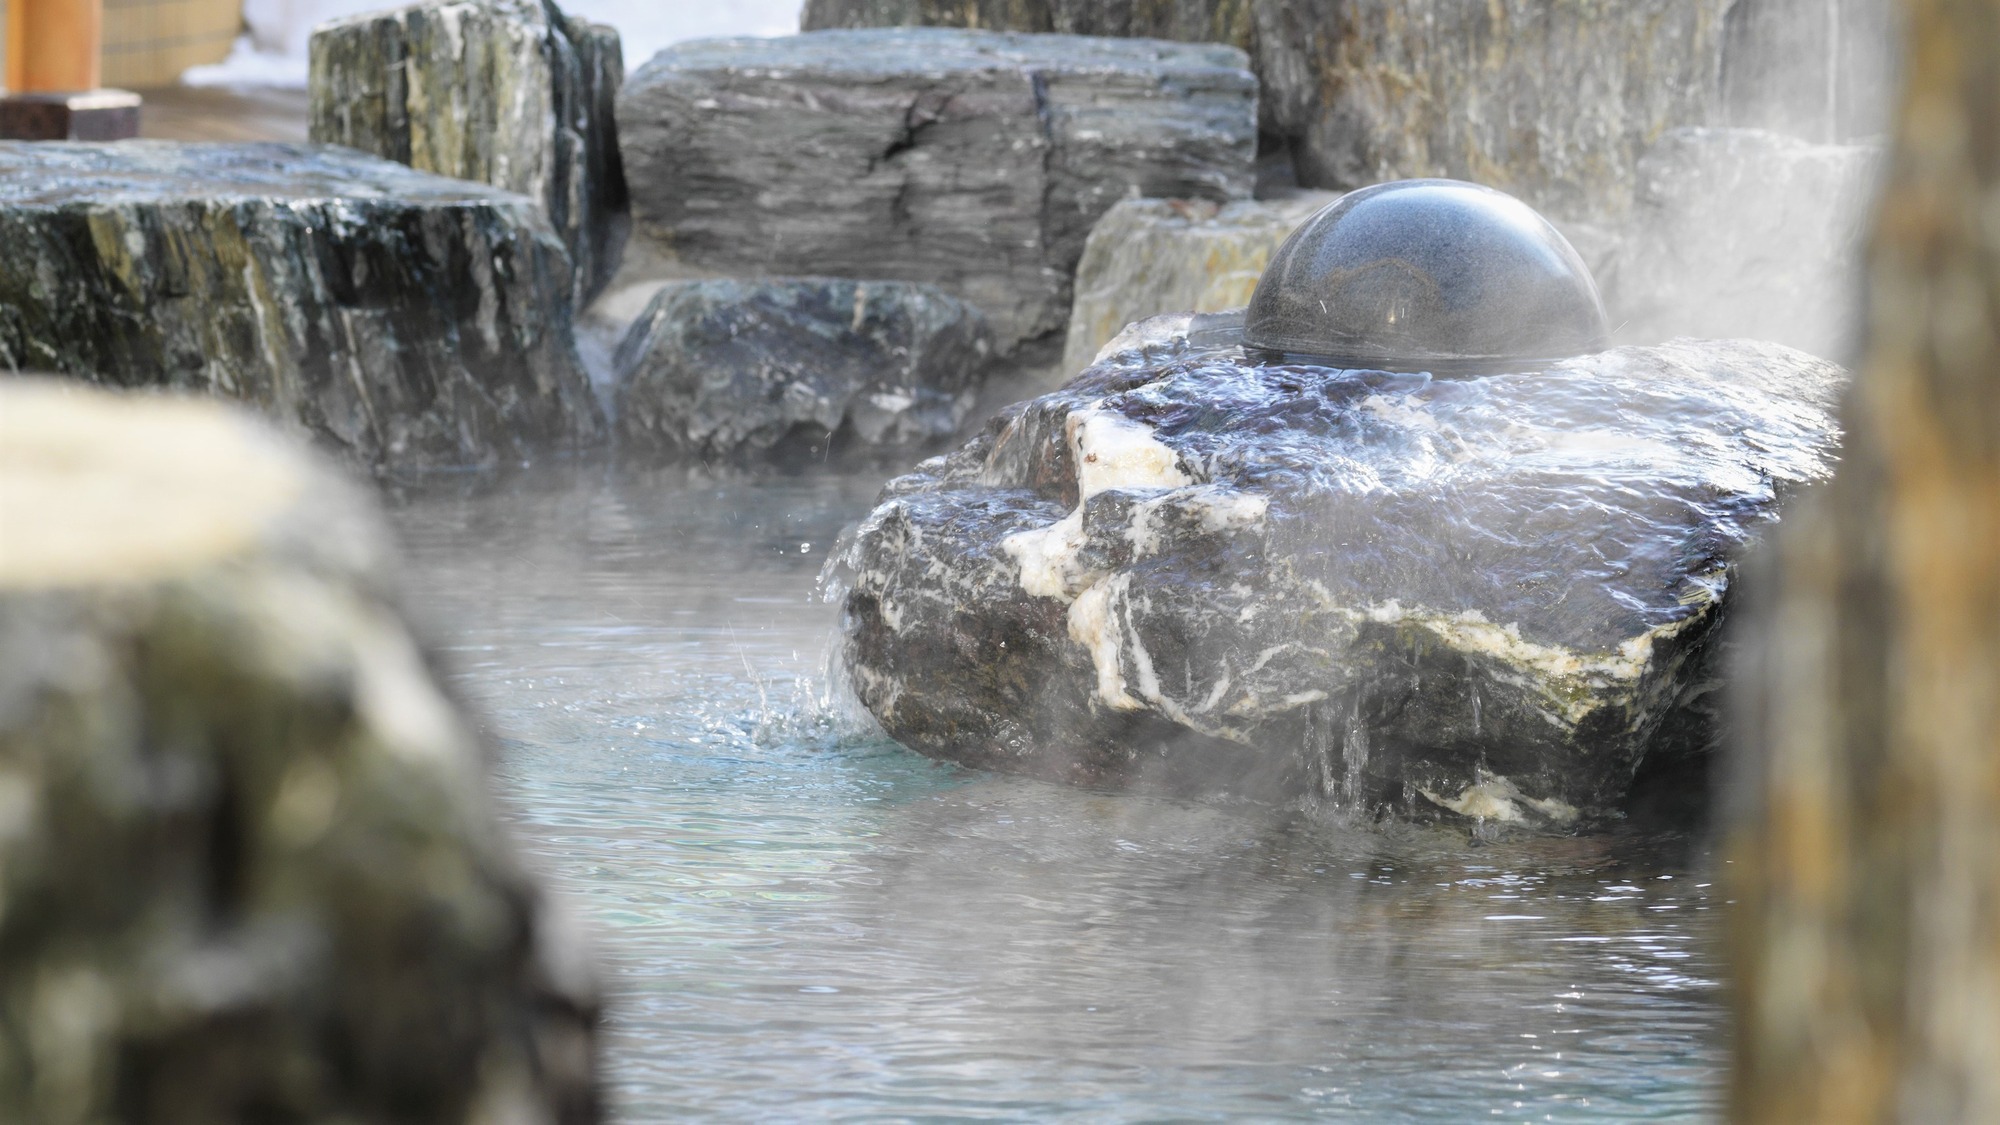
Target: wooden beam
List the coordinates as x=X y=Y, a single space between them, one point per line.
x=52 y=45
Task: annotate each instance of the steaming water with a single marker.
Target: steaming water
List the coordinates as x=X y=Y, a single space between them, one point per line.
x=797 y=921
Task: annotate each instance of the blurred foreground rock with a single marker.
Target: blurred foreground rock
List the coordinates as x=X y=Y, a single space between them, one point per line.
x=974 y=161
x=1494 y=596
x=1742 y=232
x=802 y=367
x=511 y=93
x=249 y=866
x=1148 y=257
x=1866 y=861
x=1550 y=100
x=400 y=318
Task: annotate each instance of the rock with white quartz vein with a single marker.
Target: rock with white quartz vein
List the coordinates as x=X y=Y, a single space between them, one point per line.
x=729 y=369
x=975 y=161
x=400 y=318
x=1491 y=596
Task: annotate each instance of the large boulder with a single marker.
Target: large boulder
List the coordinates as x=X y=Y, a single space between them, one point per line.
x=250 y=864
x=974 y=161
x=1550 y=100
x=511 y=93
x=1741 y=232
x=727 y=369
x=1147 y=257
x=1492 y=596
x=402 y=319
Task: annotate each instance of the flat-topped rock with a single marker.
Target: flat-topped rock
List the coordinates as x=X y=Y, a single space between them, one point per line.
x=251 y=859
x=1550 y=100
x=1149 y=257
x=798 y=368
x=1491 y=596
x=400 y=318
x=511 y=93
x=975 y=161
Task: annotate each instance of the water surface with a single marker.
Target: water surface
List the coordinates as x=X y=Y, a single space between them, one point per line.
x=798 y=920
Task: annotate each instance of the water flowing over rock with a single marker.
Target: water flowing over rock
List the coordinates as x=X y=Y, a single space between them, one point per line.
x=725 y=369
x=1742 y=232
x=251 y=867
x=1550 y=100
x=511 y=93
x=1495 y=595
x=1148 y=257
x=400 y=318
x=974 y=161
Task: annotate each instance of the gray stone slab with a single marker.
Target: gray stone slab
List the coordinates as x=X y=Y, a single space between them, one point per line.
x=975 y=161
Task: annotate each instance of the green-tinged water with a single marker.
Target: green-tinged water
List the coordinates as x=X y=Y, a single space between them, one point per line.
x=798 y=921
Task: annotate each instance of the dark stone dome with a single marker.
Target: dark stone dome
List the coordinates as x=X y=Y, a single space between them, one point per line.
x=1425 y=275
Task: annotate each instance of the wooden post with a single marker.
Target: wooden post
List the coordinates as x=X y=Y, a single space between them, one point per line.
x=51 y=89
x=52 y=45
x=1866 y=872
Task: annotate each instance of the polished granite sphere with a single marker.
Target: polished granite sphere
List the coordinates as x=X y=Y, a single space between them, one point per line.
x=1425 y=275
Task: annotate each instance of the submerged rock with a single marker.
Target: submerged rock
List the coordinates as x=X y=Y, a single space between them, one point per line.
x=402 y=319
x=1492 y=596
x=1147 y=257
x=974 y=161
x=251 y=867
x=1740 y=232
x=727 y=369
x=511 y=93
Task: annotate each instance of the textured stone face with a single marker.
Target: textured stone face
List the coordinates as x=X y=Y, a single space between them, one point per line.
x=507 y=92
x=731 y=369
x=1494 y=596
x=1147 y=257
x=250 y=869
x=974 y=161
x=1550 y=100
x=401 y=319
x=1740 y=232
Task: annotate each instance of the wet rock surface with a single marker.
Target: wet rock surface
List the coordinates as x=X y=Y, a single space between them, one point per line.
x=1742 y=232
x=251 y=867
x=511 y=93
x=799 y=368
x=975 y=161
x=1551 y=100
x=401 y=319
x=1149 y=257
x=1493 y=597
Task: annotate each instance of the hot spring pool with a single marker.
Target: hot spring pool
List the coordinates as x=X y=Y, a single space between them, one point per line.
x=799 y=921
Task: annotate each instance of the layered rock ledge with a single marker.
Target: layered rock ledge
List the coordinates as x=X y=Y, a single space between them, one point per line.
x=1549 y=100
x=401 y=319
x=1494 y=597
x=511 y=93
x=250 y=865
x=975 y=161
x=799 y=367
